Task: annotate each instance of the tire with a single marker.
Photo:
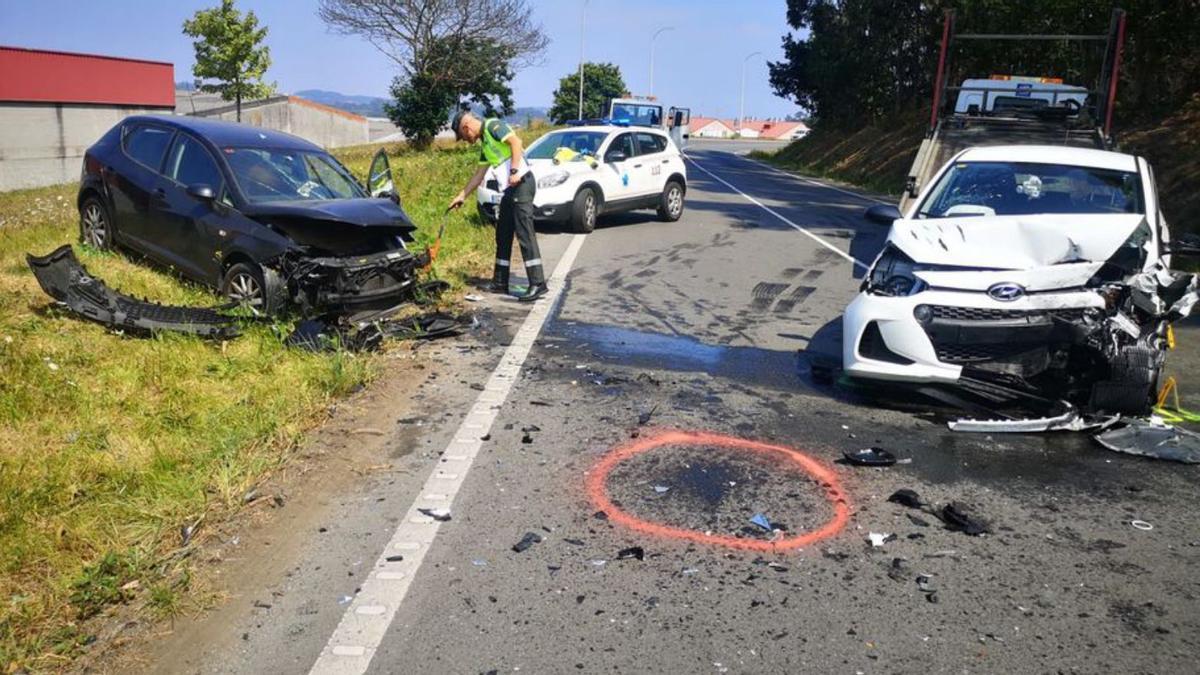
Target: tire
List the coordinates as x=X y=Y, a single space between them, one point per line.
x=670 y=203
x=1133 y=385
x=249 y=285
x=584 y=210
x=95 y=224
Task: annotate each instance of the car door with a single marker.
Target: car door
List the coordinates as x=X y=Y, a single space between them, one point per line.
x=648 y=175
x=379 y=178
x=186 y=225
x=681 y=119
x=616 y=174
x=143 y=146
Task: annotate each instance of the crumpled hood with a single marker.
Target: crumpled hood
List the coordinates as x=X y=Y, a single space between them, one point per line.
x=360 y=212
x=1013 y=242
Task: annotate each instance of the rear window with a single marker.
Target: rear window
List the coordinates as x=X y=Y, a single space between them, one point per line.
x=146 y=144
x=649 y=144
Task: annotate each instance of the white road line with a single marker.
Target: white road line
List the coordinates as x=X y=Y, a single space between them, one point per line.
x=366 y=621
x=780 y=216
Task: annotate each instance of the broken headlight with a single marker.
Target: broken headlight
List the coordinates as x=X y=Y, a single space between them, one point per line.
x=892 y=275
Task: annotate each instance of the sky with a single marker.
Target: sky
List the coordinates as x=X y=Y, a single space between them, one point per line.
x=698 y=64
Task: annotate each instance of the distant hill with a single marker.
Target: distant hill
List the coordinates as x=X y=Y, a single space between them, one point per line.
x=368 y=106
x=522 y=115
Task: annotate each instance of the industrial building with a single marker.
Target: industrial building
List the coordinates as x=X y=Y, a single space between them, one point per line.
x=53 y=105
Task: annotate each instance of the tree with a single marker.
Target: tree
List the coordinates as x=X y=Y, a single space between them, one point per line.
x=601 y=82
x=479 y=75
x=861 y=61
x=448 y=51
x=229 y=50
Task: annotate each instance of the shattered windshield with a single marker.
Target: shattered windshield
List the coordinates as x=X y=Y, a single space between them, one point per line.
x=1017 y=188
x=577 y=142
x=289 y=175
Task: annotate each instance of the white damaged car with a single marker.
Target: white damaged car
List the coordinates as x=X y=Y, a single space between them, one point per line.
x=1024 y=269
x=584 y=172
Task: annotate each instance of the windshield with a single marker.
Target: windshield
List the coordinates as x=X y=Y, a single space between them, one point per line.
x=581 y=142
x=640 y=115
x=290 y=175
x=1016 y=189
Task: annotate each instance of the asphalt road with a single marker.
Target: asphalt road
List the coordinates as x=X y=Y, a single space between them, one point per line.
x=708 y=326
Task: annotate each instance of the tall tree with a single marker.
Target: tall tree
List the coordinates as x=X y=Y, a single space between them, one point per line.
x=602 y=81
x=229 y=51
x=852 y=62
x=447 y=50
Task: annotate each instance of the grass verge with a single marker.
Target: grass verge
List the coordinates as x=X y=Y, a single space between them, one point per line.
x=110 y=444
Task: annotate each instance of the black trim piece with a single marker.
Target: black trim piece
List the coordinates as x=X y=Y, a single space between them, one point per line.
x=871 y=346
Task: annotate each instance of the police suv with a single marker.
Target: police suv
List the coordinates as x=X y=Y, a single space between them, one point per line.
x=587 y=170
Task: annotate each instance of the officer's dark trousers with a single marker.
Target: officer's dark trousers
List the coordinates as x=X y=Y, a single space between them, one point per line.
x=516 y=217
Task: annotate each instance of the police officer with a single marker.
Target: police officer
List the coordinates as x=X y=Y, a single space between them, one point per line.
x=501 y=150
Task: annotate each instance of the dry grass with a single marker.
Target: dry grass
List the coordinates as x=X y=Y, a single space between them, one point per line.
x=109 y=444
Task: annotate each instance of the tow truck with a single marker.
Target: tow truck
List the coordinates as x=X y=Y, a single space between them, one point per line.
x=646 y=111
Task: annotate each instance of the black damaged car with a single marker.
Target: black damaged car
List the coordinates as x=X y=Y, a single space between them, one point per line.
x=267 y=218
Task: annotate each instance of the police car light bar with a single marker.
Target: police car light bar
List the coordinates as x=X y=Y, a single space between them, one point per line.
x=599 y=121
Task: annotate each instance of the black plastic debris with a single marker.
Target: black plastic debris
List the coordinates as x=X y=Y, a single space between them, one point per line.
x=531 y=428
x=528 y=540
x=919 y=522
x=527 y=438
x=1157 y=441
x=635 y=552
x=63 y=278
x=644 y=417
x=440 y=515
x=906 y=497
x=331 y=332
x=957 y=518
x=395 y=558
x=869 y=457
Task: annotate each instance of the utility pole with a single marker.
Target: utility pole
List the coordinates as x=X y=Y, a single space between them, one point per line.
x=582 y=32
x=742 y=100
x=658 y=32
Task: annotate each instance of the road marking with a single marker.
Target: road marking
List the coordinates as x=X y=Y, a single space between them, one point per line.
x=780 y=216
x=365 y=623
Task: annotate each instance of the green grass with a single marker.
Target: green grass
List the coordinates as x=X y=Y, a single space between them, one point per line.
x=110 y=444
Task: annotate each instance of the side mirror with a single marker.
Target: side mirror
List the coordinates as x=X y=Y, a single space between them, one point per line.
x=202 y=192
x=615 y=156
x=883 y=214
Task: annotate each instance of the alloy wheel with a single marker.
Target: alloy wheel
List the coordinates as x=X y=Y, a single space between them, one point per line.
x=245 y=290
x=95 y=227
x=675 y=202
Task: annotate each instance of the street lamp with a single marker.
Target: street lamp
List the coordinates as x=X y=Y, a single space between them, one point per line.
x=742 y=103
x=582 y=32
x=658 y=32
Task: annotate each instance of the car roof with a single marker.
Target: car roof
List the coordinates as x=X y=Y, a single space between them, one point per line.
x=1051 y=154
x=611 y=129
x=229 y=134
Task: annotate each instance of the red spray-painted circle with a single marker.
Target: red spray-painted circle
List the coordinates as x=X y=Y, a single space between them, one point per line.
x=597 y=492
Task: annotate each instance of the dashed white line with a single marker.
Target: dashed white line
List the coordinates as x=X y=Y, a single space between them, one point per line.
x=365 y=623
x=780 y=216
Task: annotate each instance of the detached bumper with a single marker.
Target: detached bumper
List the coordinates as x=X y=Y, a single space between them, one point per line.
x=376 y=281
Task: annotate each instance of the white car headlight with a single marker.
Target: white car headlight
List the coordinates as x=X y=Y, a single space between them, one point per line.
x=553 y=179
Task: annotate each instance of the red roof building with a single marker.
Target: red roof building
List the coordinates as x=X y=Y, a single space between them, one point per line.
x=40 y=76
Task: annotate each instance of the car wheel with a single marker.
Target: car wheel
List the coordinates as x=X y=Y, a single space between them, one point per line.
x=670 y=204
x=250 y=286
x=95 y=225
x=584 y=211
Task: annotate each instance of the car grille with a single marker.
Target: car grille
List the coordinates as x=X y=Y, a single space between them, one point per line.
x=948 y=313
x=976 y=353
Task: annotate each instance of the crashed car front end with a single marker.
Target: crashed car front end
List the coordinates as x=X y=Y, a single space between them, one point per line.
x=1040 y=305
x=318 y=283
